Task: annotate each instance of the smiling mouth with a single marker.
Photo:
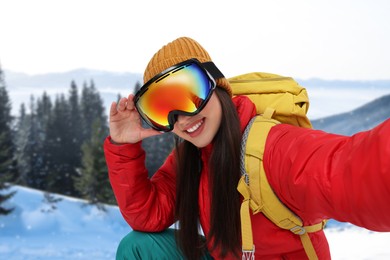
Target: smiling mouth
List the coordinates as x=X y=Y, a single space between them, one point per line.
x=195 y=127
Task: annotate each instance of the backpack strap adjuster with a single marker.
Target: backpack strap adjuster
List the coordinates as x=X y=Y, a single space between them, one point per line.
x=298 y=230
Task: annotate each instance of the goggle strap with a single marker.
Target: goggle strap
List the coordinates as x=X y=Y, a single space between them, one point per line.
x=213 y=70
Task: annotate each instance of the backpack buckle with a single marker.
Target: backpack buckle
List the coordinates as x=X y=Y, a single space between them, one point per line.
x=298 y=230
x=248 y=254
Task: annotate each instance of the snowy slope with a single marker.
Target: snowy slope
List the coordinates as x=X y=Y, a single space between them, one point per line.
x=72 y=231
x=75 y=230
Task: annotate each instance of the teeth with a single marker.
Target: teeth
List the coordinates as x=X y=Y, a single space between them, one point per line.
x=195 y=127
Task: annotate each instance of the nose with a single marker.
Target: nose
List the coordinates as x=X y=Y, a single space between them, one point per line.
x=182 y=120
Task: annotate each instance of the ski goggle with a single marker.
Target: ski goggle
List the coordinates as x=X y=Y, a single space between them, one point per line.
x=183 y=89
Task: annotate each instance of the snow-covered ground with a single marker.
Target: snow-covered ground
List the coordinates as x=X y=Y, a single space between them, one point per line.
x=75 y=230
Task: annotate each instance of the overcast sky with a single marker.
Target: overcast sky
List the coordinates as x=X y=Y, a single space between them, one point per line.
x=333 y=39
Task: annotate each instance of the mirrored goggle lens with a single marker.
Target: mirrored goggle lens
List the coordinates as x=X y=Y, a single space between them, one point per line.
x=185 y=89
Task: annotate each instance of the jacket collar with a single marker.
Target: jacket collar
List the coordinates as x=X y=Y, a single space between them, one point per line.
x=246 y=110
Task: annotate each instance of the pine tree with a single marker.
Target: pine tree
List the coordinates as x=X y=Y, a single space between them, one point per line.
x=34 y=178
x=30 y=138
x=93 y=183
x=91 y=108
x=75 y=126
x=21 y=142
x=59 y=149
x=137 y=87
x=8 y=168
x=43 y=113
x=157 y=150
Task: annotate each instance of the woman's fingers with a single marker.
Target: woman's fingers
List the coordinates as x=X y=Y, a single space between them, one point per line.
x=113 y=109
x=126 y=103
x=122 y=104
x=125 y=123
x=130 y=102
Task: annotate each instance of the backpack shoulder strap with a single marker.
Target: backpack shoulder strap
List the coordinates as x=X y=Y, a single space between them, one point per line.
x=257 y=192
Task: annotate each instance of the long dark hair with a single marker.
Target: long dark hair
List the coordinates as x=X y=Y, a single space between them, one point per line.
x=224 y=165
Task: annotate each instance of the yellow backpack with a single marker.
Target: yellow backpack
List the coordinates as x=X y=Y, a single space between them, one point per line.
x=278 y=100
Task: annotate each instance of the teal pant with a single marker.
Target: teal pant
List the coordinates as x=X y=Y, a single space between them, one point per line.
x=140 y=245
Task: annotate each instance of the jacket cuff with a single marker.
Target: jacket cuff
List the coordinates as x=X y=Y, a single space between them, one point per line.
x=127 y=150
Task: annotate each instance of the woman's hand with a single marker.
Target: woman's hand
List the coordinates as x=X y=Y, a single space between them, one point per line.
x=125 y=123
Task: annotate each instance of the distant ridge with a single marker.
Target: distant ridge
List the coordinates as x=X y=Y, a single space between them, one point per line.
x=102 y=79
x=21 y=86
x=353 y=84
x=123 y=80
x=363 y=118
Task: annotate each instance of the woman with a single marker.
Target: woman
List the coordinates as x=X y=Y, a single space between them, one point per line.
x=316 y=174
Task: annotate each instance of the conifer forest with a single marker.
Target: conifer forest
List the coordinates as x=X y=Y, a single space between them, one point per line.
x=56 y=145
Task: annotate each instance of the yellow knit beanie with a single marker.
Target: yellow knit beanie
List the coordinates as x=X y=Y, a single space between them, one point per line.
x=179 y=50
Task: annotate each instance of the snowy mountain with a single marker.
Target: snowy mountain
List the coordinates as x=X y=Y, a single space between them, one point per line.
x=21 y=86
x=71 y=229
x=360 y=119
x=332 y=97
x=105 y=79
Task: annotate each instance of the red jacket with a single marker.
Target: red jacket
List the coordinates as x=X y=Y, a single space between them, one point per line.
x=316 y=174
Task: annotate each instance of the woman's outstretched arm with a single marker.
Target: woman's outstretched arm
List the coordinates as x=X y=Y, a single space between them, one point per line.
x=321 y=175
